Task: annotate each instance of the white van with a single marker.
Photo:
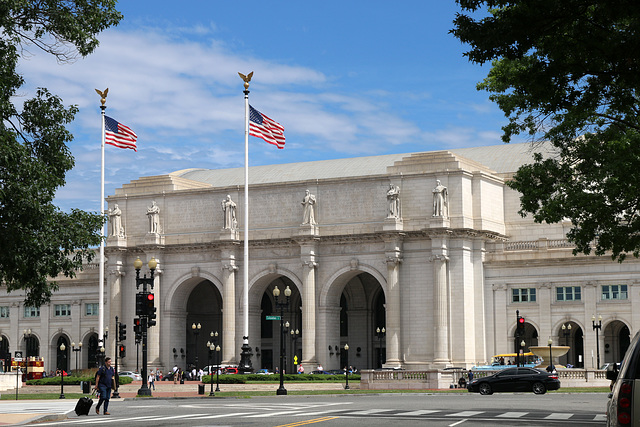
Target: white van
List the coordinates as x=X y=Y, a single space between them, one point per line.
x=623 y=408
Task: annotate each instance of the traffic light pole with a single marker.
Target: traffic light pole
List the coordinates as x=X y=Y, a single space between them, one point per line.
x=115 y=394
x=144 y=281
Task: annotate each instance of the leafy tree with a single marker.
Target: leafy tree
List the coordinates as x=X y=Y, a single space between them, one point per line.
x=568 y=72
x=37 y=240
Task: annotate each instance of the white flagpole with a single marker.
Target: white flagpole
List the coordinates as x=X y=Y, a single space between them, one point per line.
x=101 y=277
x=245 y=294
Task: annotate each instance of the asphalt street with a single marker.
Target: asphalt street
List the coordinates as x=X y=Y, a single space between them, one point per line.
x=522 y=409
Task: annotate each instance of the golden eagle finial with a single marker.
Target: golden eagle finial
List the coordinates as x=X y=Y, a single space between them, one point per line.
x=103 y=95
x=246 y=79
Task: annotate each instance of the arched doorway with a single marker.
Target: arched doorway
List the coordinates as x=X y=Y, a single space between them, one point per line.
x=616 y=341
x=5 y=354
x=32 y=345
x=270 y=337
x=570 y=334
x=379 y=323
x=204 y=308
x=62 y=356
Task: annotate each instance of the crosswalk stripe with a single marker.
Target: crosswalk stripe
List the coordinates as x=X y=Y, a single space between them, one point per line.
x=600 y=417
x=233 y=414
x=369 y=412
x=512 y=415
x=465 y=414
x=558 y=416
x=418 y=412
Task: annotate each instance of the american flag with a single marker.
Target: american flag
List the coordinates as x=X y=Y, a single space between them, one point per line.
x=265 y=128
x=118 y=134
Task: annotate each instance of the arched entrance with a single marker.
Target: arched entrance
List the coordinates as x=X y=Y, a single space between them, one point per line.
x=204 y=311
x=270 y=336
x=570 y=334
x=92 y=351
x=616 y=341
x=5 y=354
x=32 y=346
x=359 y=299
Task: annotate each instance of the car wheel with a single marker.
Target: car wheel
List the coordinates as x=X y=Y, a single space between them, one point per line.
x=485 y=389
x=539 y=388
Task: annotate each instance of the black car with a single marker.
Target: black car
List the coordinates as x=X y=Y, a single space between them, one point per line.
x=516 y=379
x=623 y=407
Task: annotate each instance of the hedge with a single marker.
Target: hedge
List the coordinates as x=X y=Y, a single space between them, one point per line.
x=73 y=380
x=274 y=378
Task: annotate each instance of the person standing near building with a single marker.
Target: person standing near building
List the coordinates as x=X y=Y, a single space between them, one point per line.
x=152 y=379
x=104 y=382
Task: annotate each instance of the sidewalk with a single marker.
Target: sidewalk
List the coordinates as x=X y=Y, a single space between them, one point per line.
x=14 y=412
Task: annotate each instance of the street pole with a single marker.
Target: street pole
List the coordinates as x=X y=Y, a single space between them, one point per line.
x=115 y=394
x=380 y=333
x=64 y=356
x=144 y=281
x=346 y=368
x=218 y=368
x=281 y=305
x=597 y=328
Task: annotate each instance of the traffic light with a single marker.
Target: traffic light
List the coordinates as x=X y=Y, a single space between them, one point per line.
x=151 y=310
x=122 y=350
x=137 y=329
x=141 y=299
x=520 y=326
x=122 y=331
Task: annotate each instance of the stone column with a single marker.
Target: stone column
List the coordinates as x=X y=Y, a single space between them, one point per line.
x=309 y=303
x=229 y=269
x=113 y=306
x=393 y=254
x=440 y=310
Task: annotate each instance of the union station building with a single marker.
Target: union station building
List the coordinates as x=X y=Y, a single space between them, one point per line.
x=428 y=246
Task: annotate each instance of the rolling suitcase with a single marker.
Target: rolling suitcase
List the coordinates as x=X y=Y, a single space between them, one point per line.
x=83 y=406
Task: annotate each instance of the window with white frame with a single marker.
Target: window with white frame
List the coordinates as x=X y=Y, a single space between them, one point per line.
x=568 y=293
x=523 y=295
x=4 y=311
x=91 y=309
x=31 y=311
x=62 y=310
x=614 y=292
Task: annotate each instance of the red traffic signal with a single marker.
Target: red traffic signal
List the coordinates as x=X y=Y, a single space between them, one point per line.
x=521 y=321
x=150 y=297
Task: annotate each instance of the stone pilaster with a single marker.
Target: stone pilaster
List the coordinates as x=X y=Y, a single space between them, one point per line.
x=229 y=269
x=309 y=264
x=440 y=310
x=393 y=255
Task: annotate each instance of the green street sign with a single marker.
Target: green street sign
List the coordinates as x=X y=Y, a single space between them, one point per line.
x=272 y=318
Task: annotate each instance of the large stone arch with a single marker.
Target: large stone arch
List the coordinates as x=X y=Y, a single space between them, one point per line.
x=178 y=292
x=572 y=335
x=353 y=289
x=615 y=339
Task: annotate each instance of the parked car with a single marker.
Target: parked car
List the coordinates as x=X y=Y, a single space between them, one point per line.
x=516 y=379
x=264 y=372
x=229 y=370
x=133 y=375
x=322 y=373
x=623 y=407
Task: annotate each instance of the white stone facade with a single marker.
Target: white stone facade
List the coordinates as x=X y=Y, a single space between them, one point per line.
x=446 y=288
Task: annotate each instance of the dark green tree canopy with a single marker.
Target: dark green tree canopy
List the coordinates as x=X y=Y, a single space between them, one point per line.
x=568 y=72
x=37 y=240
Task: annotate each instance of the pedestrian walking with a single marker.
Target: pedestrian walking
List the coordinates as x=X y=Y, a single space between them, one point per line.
x=152 y=380
x=104 y=382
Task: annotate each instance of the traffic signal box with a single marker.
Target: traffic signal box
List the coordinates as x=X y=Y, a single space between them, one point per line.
x=137 y=329
x=122 y=350
x=151 y=310
x=141 y=301
x=520 y=326
x=122 y=331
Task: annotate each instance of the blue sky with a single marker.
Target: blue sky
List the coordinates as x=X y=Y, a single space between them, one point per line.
x=345 y=79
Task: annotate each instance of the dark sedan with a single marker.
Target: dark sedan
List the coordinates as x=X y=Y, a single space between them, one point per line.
x=516 y=379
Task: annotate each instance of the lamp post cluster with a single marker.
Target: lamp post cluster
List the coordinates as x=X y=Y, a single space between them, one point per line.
x=213 y=347
x=597 y=327
x=380 y=333
x=196 y=331
x=282 y=305
x=146 y=310
x=76 y=350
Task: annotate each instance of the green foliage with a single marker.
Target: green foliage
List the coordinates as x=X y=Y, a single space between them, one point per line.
x=38 y=240
x=275 y=378
x=564 y=71
x=73 y=380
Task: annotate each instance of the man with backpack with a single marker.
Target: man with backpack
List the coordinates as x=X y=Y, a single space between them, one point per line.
x=104 y=381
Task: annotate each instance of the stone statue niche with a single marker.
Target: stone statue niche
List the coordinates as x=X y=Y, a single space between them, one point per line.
x=308 y=203
x=153 y=213
x=393 y=197
x=440 y=200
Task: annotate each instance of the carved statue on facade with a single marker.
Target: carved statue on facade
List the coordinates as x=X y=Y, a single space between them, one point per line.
x=308 y=202
x=115 y=219
x=440 y=200
x=153 y=213
x=229 y=211
x=393 y=196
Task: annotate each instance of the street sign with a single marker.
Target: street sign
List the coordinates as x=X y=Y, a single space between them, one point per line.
x=18 y=353
x=272 y=318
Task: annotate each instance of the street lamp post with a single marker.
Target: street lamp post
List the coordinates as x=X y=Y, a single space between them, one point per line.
x=566 y=331
x=103 y=348
x=27 y=336
x=211 y=347
x=520 y=355
x=218 y=368
x=346 y=367
x=597 y=328
x=144 y=281
x=76 y=350
x=550 y=367
x=282 y=305
x=63 y=355
x=380 y=333
x=294 y=337
x=196 y=331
